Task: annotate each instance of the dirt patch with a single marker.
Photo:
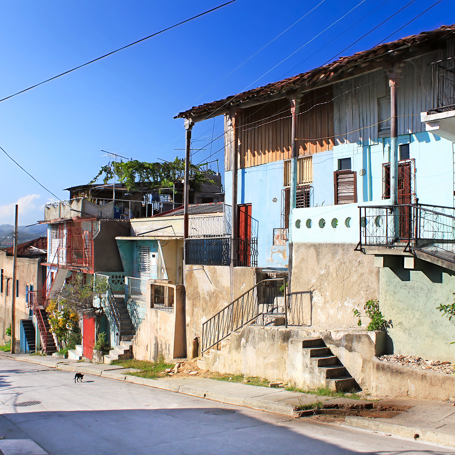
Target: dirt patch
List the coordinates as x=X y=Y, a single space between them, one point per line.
x=187 y=369
x=371 y=410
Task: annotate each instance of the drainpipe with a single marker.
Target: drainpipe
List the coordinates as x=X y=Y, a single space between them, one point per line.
x=186 y=188
x=234 y=227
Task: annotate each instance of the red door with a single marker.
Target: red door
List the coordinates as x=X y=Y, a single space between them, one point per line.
x=244 y=245
x=88 y=337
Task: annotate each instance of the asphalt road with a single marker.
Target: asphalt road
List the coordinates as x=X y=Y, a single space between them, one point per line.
x=105 y=416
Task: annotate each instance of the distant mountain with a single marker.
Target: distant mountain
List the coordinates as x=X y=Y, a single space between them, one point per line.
x=24 y=233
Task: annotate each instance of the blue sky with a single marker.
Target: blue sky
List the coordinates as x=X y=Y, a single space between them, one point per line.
x=126 y=103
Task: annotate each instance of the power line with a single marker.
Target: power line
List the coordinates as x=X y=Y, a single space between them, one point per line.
x=412 y=20
x=117 y=50
x=28 y=173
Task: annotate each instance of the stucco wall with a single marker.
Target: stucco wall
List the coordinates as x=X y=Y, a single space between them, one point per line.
x=282 y=358
x=155 y=336
x=341 y=280
x=28 y=272
x=208 y=291
x=173 y=259
x=409 y=298
x=106 y=254
x=261 y=186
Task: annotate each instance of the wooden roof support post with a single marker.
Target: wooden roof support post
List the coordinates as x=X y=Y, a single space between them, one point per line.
x=393 y=82
x=234 y=226
x=186 y=190
x=186 y=187
x=295 y=101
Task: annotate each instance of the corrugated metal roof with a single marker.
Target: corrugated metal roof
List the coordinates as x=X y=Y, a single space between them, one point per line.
x=337 y=70
x=195 y=209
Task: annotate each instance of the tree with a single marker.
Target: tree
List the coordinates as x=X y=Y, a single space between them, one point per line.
x=132 y=174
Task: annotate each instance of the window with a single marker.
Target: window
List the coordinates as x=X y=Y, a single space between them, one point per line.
x=304 y=171
x=344 y=164
x=345 y=187
x=404 y=152
x=303 y=200
x=384 y=116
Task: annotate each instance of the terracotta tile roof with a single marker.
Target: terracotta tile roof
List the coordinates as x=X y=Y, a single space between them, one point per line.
x=332 y=71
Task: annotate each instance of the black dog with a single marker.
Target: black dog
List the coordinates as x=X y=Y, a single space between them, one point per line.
x=78 y=377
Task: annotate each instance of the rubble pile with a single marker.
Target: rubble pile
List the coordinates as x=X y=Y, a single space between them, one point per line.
x=419 y=363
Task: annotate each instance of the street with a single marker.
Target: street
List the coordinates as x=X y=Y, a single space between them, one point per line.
x=105 y=416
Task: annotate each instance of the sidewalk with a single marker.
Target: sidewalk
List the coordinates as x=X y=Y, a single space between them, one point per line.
x=427 y=421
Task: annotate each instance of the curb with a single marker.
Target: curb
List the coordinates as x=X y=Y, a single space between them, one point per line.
x=260 y=405
x=432 y=437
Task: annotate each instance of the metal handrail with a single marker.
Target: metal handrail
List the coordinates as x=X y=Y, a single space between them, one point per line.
x=34 y=303
x=420 y=226
x=110 y=299
x=237 y=314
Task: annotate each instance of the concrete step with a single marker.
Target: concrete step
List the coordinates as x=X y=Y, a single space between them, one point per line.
x=122 y=351
x=336 y=371
x=124 y=338
x=73 y=355
x=313 y=343
x=344 y=384
x=319 y=352
x=327 y=360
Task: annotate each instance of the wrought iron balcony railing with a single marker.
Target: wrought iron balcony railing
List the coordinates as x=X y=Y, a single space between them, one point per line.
x=217 y=251
x=427 y=228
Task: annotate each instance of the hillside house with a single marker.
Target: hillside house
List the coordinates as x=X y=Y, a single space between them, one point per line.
x=348 y=172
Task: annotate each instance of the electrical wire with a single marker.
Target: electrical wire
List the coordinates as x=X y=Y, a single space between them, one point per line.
x=282 y=61
x=116 y=50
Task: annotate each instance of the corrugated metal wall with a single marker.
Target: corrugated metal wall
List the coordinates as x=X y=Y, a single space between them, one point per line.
x=346 y=112
x=264 y=131
x=356 y=101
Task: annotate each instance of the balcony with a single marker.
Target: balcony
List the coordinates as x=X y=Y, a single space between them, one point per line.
x=424 y=231
x=217 y=251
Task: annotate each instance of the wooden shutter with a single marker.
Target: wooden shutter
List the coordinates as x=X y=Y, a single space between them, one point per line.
x=345 y=183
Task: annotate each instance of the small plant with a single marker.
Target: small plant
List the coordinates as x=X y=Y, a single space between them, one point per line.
x=306 y=407
x=8 y=331
x=150 y=370
x=325 y=392
x=63 y=351
x=101 y=343
x=6 y=347
x=377 y=319
x=449 y=311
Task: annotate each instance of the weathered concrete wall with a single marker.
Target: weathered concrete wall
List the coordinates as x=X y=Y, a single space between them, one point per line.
x=341 y=280
x=208 y=291
x=155 y=336
x=28 y=272
x=409 y=298
x=173 y=258
x=106 y=254
x=276 y=354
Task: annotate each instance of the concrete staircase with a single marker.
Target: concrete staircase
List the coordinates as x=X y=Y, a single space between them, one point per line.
x=127 y=331
x=28 y=329
x=75 y=354
x=51 y=347
x=327 y=366
x=123 y=351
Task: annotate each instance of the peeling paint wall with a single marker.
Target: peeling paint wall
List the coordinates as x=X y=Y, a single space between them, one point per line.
x=341 y=280
x=207 y=292
x=409 y=298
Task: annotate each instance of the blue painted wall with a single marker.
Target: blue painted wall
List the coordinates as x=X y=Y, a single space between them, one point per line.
x=261 y=186
x=322 y=167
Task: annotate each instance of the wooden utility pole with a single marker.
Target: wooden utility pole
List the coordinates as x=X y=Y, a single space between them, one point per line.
x=14 y=288
x=234 y=227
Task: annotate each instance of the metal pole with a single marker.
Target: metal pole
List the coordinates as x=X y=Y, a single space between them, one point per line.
x=14 y=287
